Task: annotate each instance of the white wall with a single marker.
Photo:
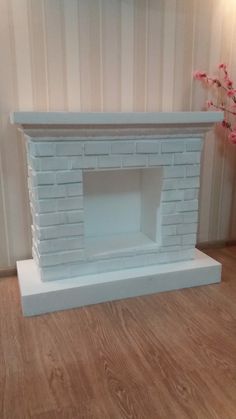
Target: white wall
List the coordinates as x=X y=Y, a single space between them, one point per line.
x=117 y=55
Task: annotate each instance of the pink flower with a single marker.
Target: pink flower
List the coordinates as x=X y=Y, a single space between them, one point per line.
x=199 y=75
x=232 y=137
x=231 y=92
x=229 y=83
x=223 y=66
x=209 y=103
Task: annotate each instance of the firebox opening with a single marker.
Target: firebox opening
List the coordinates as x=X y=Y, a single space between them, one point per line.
x=122 y=210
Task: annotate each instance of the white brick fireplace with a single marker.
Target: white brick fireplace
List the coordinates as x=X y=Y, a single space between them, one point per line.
x=114 y=202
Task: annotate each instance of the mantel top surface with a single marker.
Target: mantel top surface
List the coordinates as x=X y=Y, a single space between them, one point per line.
x=40 y=119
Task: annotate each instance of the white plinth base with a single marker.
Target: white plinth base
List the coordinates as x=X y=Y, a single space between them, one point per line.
x=43 y=297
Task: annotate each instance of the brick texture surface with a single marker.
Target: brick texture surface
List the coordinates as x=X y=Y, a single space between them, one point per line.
x=56 y=197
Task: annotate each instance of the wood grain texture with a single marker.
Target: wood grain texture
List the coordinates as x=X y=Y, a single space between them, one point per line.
x=170 y=355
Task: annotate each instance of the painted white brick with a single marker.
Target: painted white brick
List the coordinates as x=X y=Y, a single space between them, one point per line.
x=187 y=205
x=86 y=162
x=68 y=213
x=171 y=146
x=192 y=182
x=193 y=170
x=30 y=187
x=187 y=158
x=160 y=160
x=96 y=148
x=51 y=191
x=190 y=217
x=61 y=257
x=189 y=239
x=135 y=161
x=148 y=147
x=189 y=247
x=169 y=184
x=70 y=203
x=168 y=207
x=172 y=195
x=27 y=145
x=123 y=147
x=45 y=205
x=40 y=149
x=194 y=144
x=74 y=189
x=50 y=218
x=190 y=194
x=81 y=268
x=168 y=230
x=34 y=163
x=171 y=240
x=174 y=172
x=187 y=228
x=35 y=255
x=188 y=183
x=43 y=178
x=109 y=161
x=52 y=163
x=69 y=176
x=72 y=148
x=60 y=204
x=75 y=216
x=172 y=219
x=56 y=245
x=64 y=230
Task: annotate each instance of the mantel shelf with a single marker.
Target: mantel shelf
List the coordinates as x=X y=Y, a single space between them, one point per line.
x=40 y=119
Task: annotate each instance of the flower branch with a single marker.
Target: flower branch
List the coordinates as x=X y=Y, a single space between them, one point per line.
x=225 y=87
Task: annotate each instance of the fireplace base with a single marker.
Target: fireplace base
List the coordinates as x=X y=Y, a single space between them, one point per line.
x=43 y=297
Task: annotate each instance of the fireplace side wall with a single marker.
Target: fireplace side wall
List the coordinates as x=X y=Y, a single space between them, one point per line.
x=56 y=196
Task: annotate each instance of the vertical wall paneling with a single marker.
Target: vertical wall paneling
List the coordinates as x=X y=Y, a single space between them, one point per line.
x=55 y=54
x=96 y=56
x=183 y=54
x=222 y=165
x=201 y=48
x=4 y=245
x=14 y=201
x=232 y=181
x=127 y=55
x=23 y=59
x=140 y=45
x=22 y=52
x=37 y=54
x=229 y=154
x=111 y=55
x=207 y=212
x=168 y=55
x=111 y=43
x=84 y=54
x=154 y=56
x=72 y=62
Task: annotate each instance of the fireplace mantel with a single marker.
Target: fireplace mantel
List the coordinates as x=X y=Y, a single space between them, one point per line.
x=38 y=119
x=114 y=202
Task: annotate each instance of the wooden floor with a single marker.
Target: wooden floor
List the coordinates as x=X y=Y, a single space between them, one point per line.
x=170 y=355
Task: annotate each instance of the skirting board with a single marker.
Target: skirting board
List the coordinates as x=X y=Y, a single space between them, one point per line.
x=43 y=297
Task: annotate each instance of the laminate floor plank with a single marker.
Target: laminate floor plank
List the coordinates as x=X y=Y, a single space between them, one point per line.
x=165 y=356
